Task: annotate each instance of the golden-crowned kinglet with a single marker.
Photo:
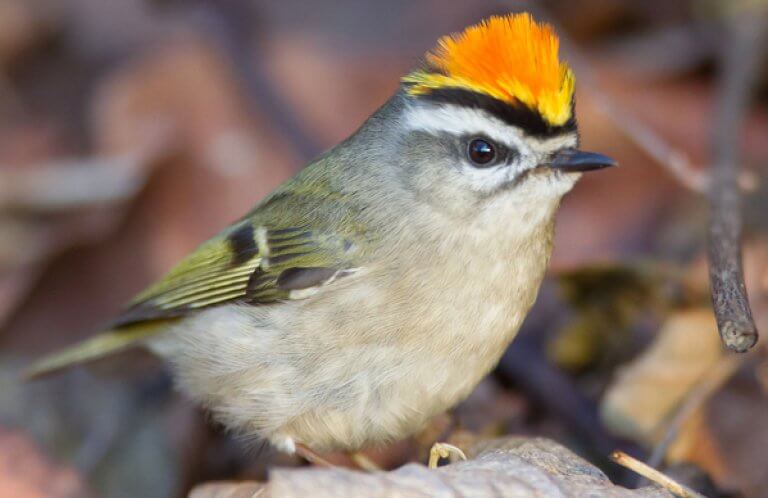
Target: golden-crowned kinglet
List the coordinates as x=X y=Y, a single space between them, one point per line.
x=375 y=288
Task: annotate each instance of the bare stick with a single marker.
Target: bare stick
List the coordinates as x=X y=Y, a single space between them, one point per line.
x=525 y=366
x=230 y=24
x=654 y=475
x=739 y=67
x=673 y=159
x=740 y=61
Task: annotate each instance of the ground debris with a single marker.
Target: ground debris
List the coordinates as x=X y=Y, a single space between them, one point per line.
x=508 y=467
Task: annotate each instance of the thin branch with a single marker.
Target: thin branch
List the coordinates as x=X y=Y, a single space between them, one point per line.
x=676 y=162
x=523 y=364
x=661 y=52
x=673 y=159
x=740 y=61
x=231 y=25
x=654 y=475
x=739 y=68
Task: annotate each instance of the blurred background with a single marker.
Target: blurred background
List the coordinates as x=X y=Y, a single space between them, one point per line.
x=132 y=130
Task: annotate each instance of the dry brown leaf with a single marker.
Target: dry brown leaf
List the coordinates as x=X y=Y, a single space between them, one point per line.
x=508 y=467
x=648 y=391
x=20 y=27
x=26 y=473
x=228 y=159
x=736 y=416
x=696 y=443
x=222 y=162
x=59 y=204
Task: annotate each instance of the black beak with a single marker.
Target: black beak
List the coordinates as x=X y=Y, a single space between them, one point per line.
x=576 y=161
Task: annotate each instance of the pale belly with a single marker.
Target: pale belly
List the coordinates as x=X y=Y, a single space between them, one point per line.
x=379 y=393
x=372 y=357
x=371 y=367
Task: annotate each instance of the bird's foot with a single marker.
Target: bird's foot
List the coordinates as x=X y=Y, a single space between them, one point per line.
x=444 y=450
x=312 y=456
x=363 y=462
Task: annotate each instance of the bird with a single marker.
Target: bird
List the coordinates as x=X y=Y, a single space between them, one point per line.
x=374 y=289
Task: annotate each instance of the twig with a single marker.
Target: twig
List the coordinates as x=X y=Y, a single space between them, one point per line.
x=661 y=52
x=740 y=64
x=669 y=157
x=654 y=475
x=230 y=23
x=676 y=161
x=739 y=68
x=524 y=365
x=673 y=159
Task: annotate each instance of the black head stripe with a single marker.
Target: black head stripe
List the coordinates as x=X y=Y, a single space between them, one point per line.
x=521 y=115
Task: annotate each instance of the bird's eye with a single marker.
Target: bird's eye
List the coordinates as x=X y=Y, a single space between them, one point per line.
x=481 y=152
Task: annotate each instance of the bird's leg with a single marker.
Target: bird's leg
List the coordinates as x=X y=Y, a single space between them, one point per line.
x=312 y=456
x=444 y=450
x=363 y=462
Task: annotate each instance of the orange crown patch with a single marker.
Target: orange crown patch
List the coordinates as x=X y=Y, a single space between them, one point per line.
x=511 y=58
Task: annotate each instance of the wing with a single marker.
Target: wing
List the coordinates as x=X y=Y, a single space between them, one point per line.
x=250 y=262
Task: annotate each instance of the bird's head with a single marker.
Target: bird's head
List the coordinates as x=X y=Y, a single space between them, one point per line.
x=490 y=114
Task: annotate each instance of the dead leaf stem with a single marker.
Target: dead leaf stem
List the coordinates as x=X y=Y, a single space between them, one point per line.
x=654 y=475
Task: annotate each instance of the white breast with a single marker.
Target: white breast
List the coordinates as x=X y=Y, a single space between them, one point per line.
x=377 y=354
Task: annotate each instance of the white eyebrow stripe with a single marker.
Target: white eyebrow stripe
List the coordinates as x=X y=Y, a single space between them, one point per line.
x=457 y=120
x=552 y=144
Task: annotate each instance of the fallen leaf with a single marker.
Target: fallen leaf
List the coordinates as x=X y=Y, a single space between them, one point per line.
x=21 y=26
x=736 y=417
x=646 y=393
x=25 y=472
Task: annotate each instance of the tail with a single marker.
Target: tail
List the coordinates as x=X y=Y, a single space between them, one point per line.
x=103 y=344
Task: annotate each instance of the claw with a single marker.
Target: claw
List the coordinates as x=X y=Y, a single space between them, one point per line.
x=365 y=463
x=444 y=450
x=312 y=456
